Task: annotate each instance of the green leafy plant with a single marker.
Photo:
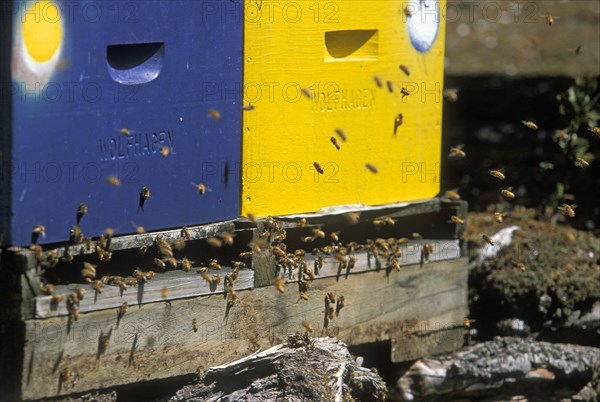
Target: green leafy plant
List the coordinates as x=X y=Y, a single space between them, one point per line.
x=580 y=108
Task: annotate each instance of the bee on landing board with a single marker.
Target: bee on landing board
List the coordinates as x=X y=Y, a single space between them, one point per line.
x=398 y=120
x=113 y=181
x=81 y=211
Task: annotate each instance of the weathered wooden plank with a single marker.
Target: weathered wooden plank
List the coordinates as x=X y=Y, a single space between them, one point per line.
x=367 y=212
x=412 y=253
x=178 y=285
x=147 y=239
x=442 y=338
x=157 y=340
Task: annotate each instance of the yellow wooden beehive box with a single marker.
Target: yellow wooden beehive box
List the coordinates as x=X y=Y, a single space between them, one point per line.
x=312 y=68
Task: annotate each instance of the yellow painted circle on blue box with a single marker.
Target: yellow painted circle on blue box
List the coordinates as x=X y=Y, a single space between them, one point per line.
x=42 y=30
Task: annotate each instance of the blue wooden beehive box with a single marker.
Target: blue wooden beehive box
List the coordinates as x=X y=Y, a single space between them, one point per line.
x=104 y=89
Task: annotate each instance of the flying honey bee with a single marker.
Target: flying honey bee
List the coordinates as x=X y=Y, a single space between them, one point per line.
x=186 y=265
x=335 y=143
x=318 y=168
x=452 y=195
x=372 y=168
x=318 y=233
x=570 y=237
x=550 y=19
x=88 y=271
x=353 y=217
x=279 y=284
x=508 y=194
x=214 y=114
x=214 y=242
x=195 y=325
x=378 y=223
x=307 y=326
x=457 y=152
x=306 y=92
x=179 y=244
x=248 y=108
x=529 y=124
x=164 y=292
x=308 y=239
x=125 y=132
x=595 y=130
x=451 y=94
x=227 y=237
x=303 y=296
x=38 y=231
x=521 y=266
x=378 y=81
x=568 y=210
x=404 y=92
x=342 y=134
x=165 y=151
x=334 y=236
x=79 y=292
x=488 y=239
x=497 y=174
x=390 y=86
x=389 y=221
x=405 y=69
x=251 y=217
x=113 y=181
x=407 y=12
x=456 y=219
x=582 y=163
x=144 y=196
x=301 y=222
x=160 y=263
x=82 y=210
x=467 y=322
x=202 y=189
x=427 y=251
x=416 y=235
x=138 y=229
x=498 y=217
x=398 y=120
